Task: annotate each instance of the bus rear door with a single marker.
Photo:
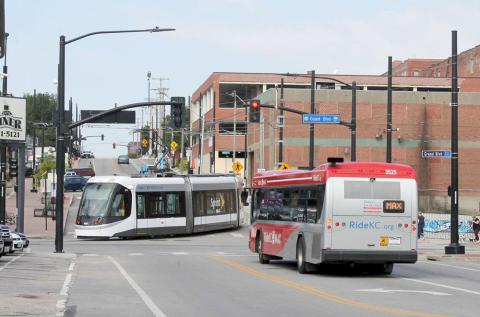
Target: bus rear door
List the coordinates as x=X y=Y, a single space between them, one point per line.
x=373 y=214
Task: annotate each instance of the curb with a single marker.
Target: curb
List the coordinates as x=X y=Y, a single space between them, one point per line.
x=452 y=257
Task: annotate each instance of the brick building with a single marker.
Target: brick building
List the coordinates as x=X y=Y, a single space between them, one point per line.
x=421 y=112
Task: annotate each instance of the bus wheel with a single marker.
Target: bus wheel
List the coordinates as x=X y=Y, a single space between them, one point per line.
x=302 y=266
x=262 y=258
x=387 y=268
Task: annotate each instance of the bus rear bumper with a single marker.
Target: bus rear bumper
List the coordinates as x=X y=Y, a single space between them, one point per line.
x=369 y=256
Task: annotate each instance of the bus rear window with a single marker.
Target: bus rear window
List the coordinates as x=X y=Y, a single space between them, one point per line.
x=371 y=190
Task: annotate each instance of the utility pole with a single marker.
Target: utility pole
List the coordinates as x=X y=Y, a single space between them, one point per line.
x=280 y=137
x=202 y=123
x=3 y=150
x=312 y=126
x=389 y=112
x=353 y=124
x=262 y=139
x=234 y=125
x=454 y=247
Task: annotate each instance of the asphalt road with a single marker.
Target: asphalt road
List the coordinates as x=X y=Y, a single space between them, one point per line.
x=215 y=274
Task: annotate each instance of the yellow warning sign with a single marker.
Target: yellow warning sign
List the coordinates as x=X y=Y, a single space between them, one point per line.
x=173 y=145
x=284 y=166
x=145 y=143
x=237 y=167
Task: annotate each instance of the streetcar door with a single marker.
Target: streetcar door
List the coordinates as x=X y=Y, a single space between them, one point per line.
x=189 y=219
x=141 y=217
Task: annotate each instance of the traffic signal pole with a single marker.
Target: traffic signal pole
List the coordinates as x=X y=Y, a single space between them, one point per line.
x=312 y=126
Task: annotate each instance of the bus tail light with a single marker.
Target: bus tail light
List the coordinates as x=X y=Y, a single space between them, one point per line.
x=329 y=227
x=406 y=225
x=337 y=224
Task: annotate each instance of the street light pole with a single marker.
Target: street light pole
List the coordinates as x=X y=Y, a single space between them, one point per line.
x=60 y=150
x=353 y=124
x=389 y=112
x=234 y=125
x=312 y=127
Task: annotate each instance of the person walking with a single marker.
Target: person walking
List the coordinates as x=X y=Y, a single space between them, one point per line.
x=421 y=224
x=476 y=227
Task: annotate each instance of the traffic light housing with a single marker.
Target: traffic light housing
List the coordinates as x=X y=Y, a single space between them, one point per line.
x=254 y=113
x=102 y=137
x=177 y=111
x=114 y=144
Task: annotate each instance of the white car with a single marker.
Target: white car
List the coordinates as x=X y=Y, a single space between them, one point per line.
x=70 y=173
x=17 y=244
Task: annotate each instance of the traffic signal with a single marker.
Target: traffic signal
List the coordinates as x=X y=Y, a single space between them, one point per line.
x=102 y=137
x=254 y=114
x=114 y=144
x=177 y=111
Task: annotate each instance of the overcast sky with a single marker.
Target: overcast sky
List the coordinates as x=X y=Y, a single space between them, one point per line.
x=350 y=37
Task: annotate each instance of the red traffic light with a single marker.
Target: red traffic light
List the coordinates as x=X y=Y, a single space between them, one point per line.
x=255 y=104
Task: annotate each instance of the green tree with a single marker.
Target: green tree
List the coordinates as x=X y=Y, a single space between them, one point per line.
x=46 y=166
x=41 y=109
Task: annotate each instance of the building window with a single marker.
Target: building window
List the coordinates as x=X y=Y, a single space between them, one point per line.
x=243 y=91
x=416 y=74
x=228 y=128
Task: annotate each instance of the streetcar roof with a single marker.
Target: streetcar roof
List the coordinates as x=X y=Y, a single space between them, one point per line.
x=320 y=174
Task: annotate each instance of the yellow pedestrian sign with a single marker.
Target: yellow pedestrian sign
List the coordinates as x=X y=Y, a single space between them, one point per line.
x=173 y=145
x=237 y=167
x=145 y=143
x=284 y=166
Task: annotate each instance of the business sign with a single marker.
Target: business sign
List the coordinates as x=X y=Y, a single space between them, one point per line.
x=13 y=119
x=321 y=118
x=433 y=153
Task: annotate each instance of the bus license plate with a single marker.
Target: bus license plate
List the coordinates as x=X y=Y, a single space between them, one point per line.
x=384 y=241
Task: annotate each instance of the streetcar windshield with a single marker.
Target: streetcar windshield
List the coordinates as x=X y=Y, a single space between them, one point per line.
x=95 y=199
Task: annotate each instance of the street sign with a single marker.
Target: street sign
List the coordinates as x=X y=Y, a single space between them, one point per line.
x=237 y=167
x=173 y=146
x=321 y=118
x=188 y=151
x=435 y=153
x=12 y=119
x=145 y=143
x=284 y=166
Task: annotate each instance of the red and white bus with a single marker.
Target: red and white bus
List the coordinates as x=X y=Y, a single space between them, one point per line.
x=354 y=212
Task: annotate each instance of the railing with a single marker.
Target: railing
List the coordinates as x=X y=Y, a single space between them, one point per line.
x=437 y=226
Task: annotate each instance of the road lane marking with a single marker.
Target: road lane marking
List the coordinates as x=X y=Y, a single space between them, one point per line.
x=10 y=262
x=454 y=266
x=146 y=299
x=179 y=253
x=236 y=235
x=441 y=285
x=135 y=254
x=382 y=290
x=320 y=293
x=72 y=265
x=61 y=303
x=90 y=254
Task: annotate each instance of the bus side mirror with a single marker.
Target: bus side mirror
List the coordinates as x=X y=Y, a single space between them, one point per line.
x=244 y=197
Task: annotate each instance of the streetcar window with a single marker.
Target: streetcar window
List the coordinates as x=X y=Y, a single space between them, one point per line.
x=214 y=202
x=95 y=199
x=160 y=204
x=140 y=206
x=371 y=190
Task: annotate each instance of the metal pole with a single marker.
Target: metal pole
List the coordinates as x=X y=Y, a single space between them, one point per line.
x=5 y=68
x=280 y=137
x=33 y=127
x=60 y=151
x=454 y=247
x=3 y=182
x=353 y=124
x=234 y=156
x=261 y=141
x=181 y=147
x=201 y=138
x=245 y=147
x=34 y=189
x=45 y=203
x=43 y=142
x=21 y=188
x=312 y=127
x=389 y=112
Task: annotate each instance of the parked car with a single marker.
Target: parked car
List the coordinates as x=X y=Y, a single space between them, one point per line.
x=84 y=171
x=1 y=247
x=87 y=154
x=7 y=239
x=24 y=237
x=123 y=159
x=70 y=173
x=74 y=183
x=17 y=242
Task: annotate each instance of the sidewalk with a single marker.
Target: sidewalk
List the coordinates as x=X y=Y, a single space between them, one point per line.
x=434 y=250
x=34 y=227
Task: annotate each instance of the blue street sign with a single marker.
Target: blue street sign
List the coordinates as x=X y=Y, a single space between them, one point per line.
x=321 y=118
x=433 y=153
